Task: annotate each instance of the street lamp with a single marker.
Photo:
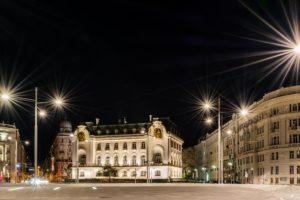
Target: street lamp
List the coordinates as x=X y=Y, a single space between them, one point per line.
x=42 y=113
x=5 y=96
x=207 y=106
x=297 y=49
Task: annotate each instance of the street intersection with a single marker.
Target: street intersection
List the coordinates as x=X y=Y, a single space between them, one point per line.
x=149 y=192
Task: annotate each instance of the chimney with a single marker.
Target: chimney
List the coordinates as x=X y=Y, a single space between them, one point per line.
x=150 y=118
x=97 y=121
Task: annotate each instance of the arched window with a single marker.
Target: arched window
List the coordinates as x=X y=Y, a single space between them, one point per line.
x=125 y=146
x=82 y=160
x=157 y=158
x=116 y=147
x=116 y=161
x=99 y=160
x=133 y=160
x=107 y=160
x=125 y=160
x=143 y=160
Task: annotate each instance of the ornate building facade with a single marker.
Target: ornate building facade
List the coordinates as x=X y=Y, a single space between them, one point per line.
x=60 y=159
x=262 y=148
x=12 y=154
x=140 y=151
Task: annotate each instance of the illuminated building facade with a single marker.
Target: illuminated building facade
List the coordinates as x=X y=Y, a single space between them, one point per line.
x=12 y=154
x=61 y=153
x=262 y=148
x=134 y=151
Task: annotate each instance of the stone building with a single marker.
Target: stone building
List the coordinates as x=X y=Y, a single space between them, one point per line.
x=136 y=151
x=262 y=148
x=12 y=154
x=60 y=160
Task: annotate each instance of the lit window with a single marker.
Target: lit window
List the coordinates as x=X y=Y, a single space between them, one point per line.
x=125 y=146
x=81 y=174
x=107 y=159
x=116 y=161
x=116 y=147
x=134 y=145
x=133 y=160
x=157 y=173
x=125 y=160
x=124 y=173
x=143 y=160
x=143 y=145
x=143 y=173
x=99 y=160
x=158 y=158
x=291 y=169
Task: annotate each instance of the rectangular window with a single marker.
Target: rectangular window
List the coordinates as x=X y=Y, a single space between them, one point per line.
x=291 y=180
x=276 y=170
x=143 y=145
x=298 y=169
x=291 y=154
x=134 y=145
x=298 y=153
x=107 y=146
x=157 y=173
x=295 y=138
x=271 y=171
x=291 y=169
x=272 y=156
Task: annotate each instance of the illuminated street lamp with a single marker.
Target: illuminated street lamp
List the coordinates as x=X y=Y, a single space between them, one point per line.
x=208 y=121
x=244 y=112
x=207 y=106
x=42 y=113
x=297 y=49
x=5 y=96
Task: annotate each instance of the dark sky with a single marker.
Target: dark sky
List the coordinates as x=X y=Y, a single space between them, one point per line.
x=125 y=58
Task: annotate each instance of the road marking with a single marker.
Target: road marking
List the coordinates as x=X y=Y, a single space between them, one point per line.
x=18 y=188
x=94 y=188
x=57 y=188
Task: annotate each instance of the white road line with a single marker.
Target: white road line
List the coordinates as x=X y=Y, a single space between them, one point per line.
x=18 y=188
x=57 y=188
x=94 y=188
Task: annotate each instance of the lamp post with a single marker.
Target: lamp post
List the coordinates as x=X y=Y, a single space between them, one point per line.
x=207 y=106
x=57 y=101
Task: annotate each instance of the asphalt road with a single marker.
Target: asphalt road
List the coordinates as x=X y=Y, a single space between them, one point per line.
x=149 y=192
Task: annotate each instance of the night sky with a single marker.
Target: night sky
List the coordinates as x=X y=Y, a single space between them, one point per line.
x=130 y=59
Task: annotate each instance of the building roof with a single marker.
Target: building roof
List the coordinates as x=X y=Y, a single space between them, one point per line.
x=128 y=128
